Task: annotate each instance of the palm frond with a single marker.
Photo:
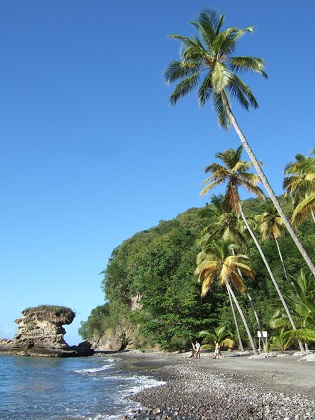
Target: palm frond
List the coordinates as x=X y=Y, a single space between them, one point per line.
x=177 y=70
x=206 y=285
x=302 y=334
x=187 y=42
x=184 y=87
x=220 y=110
x=205 y=91
x=253 y=64
x=221 y=77
x=206 y=30
x=224 y=43
x=213 y=184
x=242 y=93
x=249 y=184
x=303 y=210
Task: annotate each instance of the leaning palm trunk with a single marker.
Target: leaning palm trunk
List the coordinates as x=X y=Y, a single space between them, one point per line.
x=253 y=309
x=266 y=184
x=257 y=318
x=281 y=259
x=236 y=324
x=230 y=291
x=270 y=274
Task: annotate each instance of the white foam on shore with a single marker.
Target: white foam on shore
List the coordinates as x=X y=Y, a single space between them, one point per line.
x=109 y=364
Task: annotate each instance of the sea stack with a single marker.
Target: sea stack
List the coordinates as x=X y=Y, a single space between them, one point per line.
x=40 y=333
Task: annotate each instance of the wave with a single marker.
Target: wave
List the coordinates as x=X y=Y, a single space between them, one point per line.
x=92 y=370
x=110 y=364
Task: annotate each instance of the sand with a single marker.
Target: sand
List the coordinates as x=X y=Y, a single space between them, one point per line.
x=281 y=387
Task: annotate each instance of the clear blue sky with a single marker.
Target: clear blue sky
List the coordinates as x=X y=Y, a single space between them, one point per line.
x=91 y=151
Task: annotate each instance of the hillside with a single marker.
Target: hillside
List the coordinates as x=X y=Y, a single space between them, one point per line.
x=152 y=297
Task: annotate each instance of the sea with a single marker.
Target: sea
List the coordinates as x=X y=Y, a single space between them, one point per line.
x=68 y=388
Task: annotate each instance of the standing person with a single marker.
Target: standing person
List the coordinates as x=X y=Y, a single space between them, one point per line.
x=197 y=350
x=216 y=350
x=193 y=350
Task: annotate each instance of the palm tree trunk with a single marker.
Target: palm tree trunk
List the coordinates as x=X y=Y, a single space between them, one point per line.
x=266 y=184
x=229 y=289
x=236 y=324
x=270 y=274
x=253 y=308
x=281 y=258
x=257 y=318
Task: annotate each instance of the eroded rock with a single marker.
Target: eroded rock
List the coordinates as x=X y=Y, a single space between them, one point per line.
x=40 y=333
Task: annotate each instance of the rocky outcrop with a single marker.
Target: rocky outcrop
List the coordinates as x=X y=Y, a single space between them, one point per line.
x=40 y=333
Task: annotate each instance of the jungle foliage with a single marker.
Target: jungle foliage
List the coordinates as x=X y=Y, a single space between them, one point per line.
x=156 y=268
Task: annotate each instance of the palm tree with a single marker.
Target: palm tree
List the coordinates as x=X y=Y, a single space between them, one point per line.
x=303 y=210
x=217 y=261
x=303 y=298
x=219 y=334
x=224 y=224
x=300 y=185
x=284 y=337
x=209 y=60
x=271 y=225
x=300 y=176
x=235 y=174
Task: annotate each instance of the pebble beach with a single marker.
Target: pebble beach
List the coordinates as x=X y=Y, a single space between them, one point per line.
x=273 y=386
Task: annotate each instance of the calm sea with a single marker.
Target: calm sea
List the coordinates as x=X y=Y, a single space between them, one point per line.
x=67 y=388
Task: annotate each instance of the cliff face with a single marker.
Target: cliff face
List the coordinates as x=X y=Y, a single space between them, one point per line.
x=40 y=333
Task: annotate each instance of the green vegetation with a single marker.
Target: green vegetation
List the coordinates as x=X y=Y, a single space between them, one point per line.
x=55 y=309
x=157 y=266
x=66 y=315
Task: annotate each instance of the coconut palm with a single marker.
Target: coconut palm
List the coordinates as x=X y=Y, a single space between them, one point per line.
x=300 y=185
x=300 y=176
x=216 y=261
x=271 y=225
x=207 y=61
x=234 y=174
x=224 y=224
x=305 y=209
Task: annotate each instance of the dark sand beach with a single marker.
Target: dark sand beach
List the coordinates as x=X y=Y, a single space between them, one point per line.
x=231 y=387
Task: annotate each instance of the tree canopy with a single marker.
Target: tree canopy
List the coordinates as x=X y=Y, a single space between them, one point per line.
x=156 y=268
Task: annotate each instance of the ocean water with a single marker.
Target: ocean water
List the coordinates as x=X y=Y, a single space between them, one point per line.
x=67 y=388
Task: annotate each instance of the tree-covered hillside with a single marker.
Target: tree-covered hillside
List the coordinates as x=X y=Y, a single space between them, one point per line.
x=152 y=295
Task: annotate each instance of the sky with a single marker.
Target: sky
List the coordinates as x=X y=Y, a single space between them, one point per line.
x=91 y=152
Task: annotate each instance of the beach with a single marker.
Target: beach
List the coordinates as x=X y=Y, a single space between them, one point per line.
x=231 y=387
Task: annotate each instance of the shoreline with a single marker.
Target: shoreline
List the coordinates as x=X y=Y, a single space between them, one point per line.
x=230 y=387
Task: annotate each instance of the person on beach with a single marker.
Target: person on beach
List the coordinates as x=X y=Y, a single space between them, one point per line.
x=197 y=350
x=216 y=350
x=193 y=350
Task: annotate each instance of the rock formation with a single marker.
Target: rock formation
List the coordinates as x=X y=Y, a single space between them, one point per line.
x=40 y=333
